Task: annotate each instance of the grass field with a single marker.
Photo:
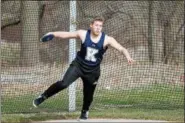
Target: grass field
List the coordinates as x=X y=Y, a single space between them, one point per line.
x=158 y=102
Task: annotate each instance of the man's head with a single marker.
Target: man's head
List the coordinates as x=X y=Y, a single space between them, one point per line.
x=96 y=25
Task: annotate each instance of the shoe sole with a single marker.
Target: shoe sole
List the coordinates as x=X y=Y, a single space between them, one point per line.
x=34 y=104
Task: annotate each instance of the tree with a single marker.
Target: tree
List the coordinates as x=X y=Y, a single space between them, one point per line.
x=155 y=42
x=172 y=21
x=30 y=33
x=150 y=32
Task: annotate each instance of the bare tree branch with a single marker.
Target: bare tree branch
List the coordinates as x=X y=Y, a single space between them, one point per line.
x=9 y=19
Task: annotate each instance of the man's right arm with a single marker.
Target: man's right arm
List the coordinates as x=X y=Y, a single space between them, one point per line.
x=66 y=35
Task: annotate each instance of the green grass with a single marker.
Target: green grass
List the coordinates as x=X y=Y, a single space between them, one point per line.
x=155 y=97
x=158 y=102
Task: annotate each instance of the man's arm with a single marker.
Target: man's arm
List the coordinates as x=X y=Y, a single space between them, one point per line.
x=65 y=35
x=112 y=42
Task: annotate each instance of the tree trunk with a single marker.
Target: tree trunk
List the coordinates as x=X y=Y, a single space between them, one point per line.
x=155 y=44
x=150 y=32
x=30 y=33
x=172 y=30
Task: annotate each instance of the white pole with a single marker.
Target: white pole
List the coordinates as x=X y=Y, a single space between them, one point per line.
x=0 y=76
x=72 y=54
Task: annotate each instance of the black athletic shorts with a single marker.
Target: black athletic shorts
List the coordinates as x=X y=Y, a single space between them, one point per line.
x=87 y=73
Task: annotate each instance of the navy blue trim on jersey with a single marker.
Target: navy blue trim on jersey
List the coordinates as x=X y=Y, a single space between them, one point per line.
x=91 y=54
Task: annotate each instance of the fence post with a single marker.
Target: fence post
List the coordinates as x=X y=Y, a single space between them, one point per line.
x=72 y=53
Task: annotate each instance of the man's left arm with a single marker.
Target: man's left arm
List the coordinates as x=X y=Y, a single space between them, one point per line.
x=112 y=42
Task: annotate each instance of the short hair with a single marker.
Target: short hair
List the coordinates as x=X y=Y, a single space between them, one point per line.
x=98 y=18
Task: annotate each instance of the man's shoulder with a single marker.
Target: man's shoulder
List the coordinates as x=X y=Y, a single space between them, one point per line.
x=107 y=37
x=82 y=31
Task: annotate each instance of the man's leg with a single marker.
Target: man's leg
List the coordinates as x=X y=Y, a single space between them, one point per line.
x=88 y=92
x=70 y=76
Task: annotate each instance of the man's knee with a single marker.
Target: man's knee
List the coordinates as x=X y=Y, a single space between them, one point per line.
x=62 y=84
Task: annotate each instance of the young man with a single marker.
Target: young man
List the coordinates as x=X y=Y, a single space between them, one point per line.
x=86 y=65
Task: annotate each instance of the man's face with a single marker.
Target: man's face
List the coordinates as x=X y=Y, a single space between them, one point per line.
x=96 y=27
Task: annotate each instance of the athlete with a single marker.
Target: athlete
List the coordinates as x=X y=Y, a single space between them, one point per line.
x=86 y=65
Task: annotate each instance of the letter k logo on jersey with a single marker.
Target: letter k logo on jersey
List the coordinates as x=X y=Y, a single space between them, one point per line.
x=90 y=54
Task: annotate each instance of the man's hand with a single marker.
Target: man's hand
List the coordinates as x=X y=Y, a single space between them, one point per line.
x=130 y=60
